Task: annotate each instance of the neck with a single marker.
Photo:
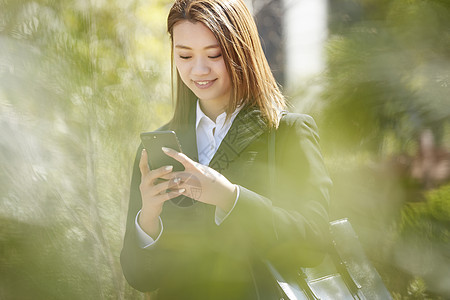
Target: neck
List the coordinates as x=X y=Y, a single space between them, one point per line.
x=211 y=110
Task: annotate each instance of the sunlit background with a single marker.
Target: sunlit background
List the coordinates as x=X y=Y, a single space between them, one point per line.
x=80 y=79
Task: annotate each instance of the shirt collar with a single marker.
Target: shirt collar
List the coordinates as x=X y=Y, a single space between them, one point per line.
x=200 y=115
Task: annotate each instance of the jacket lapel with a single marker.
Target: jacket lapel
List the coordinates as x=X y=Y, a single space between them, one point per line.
x=247 y=126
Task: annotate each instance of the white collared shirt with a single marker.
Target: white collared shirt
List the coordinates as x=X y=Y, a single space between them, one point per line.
x=210 y=134
x=209 y=137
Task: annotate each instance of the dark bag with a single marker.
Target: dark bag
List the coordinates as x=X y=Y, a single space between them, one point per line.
x=345 y=273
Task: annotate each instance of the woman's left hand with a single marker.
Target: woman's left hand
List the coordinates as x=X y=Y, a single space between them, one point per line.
x=202 y=183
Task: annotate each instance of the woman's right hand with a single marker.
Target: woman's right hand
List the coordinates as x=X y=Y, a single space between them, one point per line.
x=154 y=193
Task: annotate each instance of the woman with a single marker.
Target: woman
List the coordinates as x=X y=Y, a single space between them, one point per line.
x=227 y=101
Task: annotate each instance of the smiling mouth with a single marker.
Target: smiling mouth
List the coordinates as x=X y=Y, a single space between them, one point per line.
x=204 y=84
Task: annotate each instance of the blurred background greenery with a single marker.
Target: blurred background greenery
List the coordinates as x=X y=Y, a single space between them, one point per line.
x=80 y=79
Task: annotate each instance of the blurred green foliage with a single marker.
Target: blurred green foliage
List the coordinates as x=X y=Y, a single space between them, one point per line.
x=388 y=74
x=384 y=119
x=78 y=81
x=424 y=244
x=430 y=219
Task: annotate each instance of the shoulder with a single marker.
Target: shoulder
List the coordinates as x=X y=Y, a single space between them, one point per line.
x=298 y=124
x=294 y=119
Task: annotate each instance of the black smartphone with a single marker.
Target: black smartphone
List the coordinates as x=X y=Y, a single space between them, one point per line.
x=154 y=141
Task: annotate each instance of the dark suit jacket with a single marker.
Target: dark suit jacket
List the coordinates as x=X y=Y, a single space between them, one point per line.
x=196 y=259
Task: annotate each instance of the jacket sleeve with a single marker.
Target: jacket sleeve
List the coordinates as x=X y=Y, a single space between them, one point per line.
x=141 y=267
x=291 y=226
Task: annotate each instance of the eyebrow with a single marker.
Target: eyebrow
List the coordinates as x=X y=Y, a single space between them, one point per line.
x=189 y=48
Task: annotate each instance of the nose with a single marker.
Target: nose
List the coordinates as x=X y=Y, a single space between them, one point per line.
x=200 y=67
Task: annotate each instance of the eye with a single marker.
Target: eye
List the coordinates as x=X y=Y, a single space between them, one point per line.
x=185 y=57
x=215 y=56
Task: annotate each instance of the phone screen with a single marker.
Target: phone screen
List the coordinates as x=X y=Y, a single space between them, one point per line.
x=154 y=141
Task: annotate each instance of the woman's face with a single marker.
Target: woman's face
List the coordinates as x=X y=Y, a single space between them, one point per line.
x=200 y=63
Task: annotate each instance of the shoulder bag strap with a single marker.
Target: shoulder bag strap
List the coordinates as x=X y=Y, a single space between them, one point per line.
x=302 y=278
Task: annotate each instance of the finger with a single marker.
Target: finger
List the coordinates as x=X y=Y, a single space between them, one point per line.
x=168 y=176
x=151 y=178
x=166 y=185
x=169 y=195
x=161 y=172
x=191 y=184
x=172 y=175
x=181 y=157
x=143 y=163
x=190 y=191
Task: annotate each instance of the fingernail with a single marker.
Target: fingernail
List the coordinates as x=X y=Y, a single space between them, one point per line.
x=181 y=190
x=165 y=149
x=142 y=152
x=168 y=168
x=177 y=180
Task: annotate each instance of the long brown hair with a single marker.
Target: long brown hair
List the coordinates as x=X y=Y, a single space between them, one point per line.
x=233 y=26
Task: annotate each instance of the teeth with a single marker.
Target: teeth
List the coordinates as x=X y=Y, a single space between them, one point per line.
x=202 y=82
